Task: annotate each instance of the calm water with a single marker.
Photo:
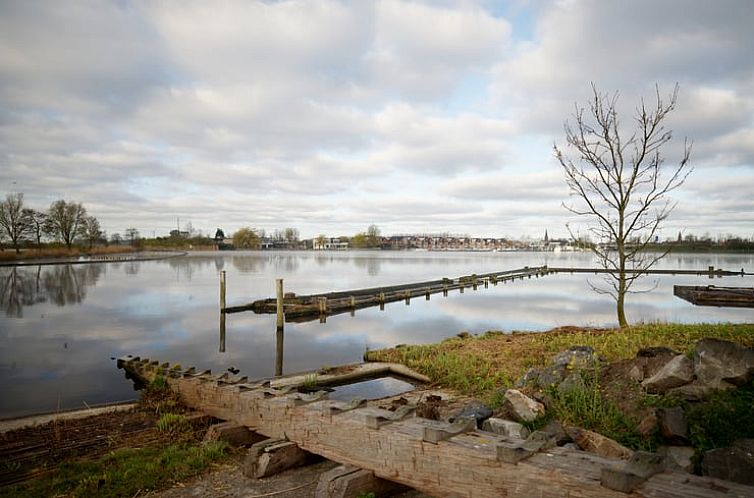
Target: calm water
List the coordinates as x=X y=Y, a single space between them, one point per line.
x=60 y=325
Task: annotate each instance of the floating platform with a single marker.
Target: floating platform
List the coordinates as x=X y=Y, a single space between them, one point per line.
x=437 y=458
x=310 y=307
x=710 y=295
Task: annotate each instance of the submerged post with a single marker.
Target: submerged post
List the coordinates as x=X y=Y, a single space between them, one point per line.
x=222 y=332
x=222 y=291
x=279 y=328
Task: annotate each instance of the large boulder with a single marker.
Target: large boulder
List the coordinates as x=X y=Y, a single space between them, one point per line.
x=735 y=463
x=598 y=444
x=676 y=372
x=722 y=364
x=521 y=407
x=678 y=457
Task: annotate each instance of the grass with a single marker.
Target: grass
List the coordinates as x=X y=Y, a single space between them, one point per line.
x=124 y=472
x=480 y=365
x=176 y=454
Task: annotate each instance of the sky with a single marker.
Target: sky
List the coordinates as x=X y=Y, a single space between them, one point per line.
x=329 y=116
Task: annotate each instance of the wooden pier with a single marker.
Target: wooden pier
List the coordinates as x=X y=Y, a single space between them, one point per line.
x=436 y=458
x=710 y=295
x=310 y=307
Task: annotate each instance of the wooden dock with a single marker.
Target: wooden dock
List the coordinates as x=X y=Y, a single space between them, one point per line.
x=310 y=307
x=710 y=295
x=436 y=458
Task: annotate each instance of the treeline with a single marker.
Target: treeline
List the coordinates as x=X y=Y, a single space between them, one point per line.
x=63 y=222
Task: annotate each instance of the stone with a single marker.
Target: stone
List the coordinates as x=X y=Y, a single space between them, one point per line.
x=556 y=429
x=576 y=357
x=735 y=463
x=634 y=473
x=673 y=425
x=476 y=410
x=573 y=382
x=722 y=364
x=543 y=377
x=429 y=407
x=692 y=392
x=636 y=374
x=598 y=444
x=572 y=446
x=677 y=372
x=521 y=407
x=678 y=457
x=648 y=425
x=507 y=428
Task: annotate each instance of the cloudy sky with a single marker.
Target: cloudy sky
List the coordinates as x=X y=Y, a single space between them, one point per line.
x=330 y=116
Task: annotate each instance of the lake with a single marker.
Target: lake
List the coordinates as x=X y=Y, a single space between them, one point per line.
x=60 y=325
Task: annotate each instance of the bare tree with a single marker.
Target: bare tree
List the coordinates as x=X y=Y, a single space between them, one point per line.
x=91 y=230
x=132 y=235
x=37 y=223
x=64 y=221
x=622 y=185
x=13 y=219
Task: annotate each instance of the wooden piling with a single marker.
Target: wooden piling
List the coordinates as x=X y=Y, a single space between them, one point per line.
x=407 y=295
x=222 y=291
x=279 y=333
x=427 y=293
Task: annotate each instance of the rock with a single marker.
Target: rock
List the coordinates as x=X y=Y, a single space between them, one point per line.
x=598 y=444
x=574 y=358
x=636 y=374
x=678 y=457
x=507 y=428
x=476 y=410
x=720 y=364
x=655 y=351
x=735 y=463
x=521 y=407
x=648 y=425
x=572 y=446
x=692 y=392
x=673 y=425
x=556 y=429
x=429 y=407
x=677 y=372
x=573 y=382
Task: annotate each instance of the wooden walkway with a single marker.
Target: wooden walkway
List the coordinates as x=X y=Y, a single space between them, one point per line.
x=710 y=295
x=439 y=459
x=310 y=307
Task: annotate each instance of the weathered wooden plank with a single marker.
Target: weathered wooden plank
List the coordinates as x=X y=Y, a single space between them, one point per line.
x=710 y=295
x=464 y=465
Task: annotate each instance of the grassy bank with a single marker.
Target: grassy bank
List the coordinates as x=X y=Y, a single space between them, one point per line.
x=169 y=451
x=63 y=252
x=480 y=365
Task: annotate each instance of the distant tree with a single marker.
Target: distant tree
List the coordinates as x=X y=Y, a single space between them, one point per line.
x=90 y=230
x=373 y=236
x=319 y=242
x=64 y=221
x=37 y=222
x=116 y=239
x=13 y=219
x=359 y=241
x=621 y=184
x=291 y=236
x=132 y=235
x=245 y=238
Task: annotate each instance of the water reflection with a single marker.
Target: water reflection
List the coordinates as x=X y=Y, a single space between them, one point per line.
x=59 y=354
x=59 y=284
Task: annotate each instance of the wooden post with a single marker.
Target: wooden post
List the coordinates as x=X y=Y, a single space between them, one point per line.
x=222 y=291
x=427 y=293
x=279 y=333
x=280 y=306
x=486 y=283
x=407 y=295
x=382 y=301
x=222 y=332
x=474 y=282
x=445 y=287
